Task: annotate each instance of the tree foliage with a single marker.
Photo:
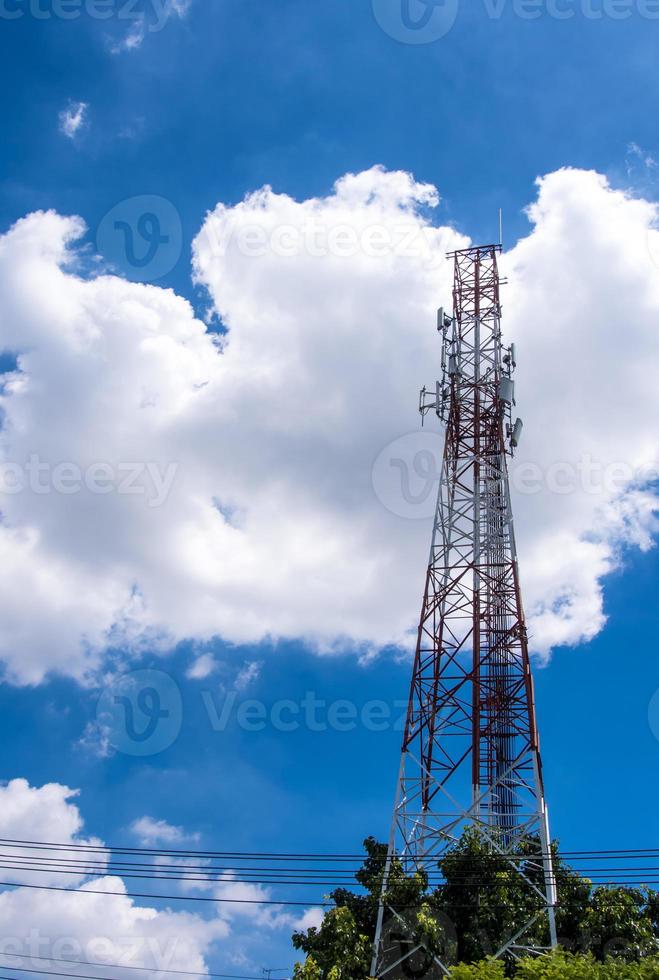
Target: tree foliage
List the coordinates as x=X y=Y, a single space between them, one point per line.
x=560 y=966
x=481 y=902
x=565 y=966
x=340 y=951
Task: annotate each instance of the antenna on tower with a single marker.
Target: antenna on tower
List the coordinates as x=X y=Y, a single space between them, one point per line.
x=501 y=228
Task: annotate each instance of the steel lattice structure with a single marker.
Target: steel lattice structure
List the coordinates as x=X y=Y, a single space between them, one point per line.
x=470 y=753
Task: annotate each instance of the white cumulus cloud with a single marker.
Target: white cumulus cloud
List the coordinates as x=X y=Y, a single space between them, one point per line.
x=151 y=832
x=45 y=815
x=93 y=919
x=270 y=525
x=105 y=929
x=94 y=928
x=582 y=302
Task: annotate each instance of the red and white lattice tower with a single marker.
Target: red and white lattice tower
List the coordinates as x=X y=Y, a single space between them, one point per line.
x=470 y=753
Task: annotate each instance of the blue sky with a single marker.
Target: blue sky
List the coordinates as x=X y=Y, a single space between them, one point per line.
x=242 y=94
x=227 y=97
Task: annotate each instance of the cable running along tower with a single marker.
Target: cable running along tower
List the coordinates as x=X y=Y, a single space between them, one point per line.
x=470 y=752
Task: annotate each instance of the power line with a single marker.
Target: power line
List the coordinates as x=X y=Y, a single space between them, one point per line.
x=284 y=876
x=124 y=966
x=233 y=901
x=174 y=898
x=629 y=876
x=227 y=901
x=205 y=869
x=275 y=856
x=248 y=855
x=79 y=867
x=95 y=976
x=310 y=876
x=93 y=865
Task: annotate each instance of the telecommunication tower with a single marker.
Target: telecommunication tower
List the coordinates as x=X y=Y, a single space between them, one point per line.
x=470 y=753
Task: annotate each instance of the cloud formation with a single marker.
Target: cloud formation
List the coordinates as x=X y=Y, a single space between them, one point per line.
x=47 y=814
x=99 y=928
x=151 y=832
x=73 y=118
x=582 y=302
x=112 y=929
x=272 y=526
x=158 y=13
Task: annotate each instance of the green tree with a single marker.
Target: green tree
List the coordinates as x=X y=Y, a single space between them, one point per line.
x=307 y=971
x=485 y=898
x=337 y=951
x=345 y=939
x=618 y=922
x=653 y=910
x=570 y=966
x=488 y=900
x=487 y=970
x=481 y=902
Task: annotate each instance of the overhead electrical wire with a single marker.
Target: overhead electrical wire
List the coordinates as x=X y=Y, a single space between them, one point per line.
x=239 y=876
x=123 y=966
x=249 y=855
x=227 y=976
x=242 y=870
x=85 y=890
x=101 y=966
x=244 y=858
x=205 y=873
